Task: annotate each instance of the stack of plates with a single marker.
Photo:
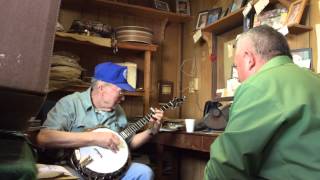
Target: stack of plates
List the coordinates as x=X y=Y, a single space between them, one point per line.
x=134 y=34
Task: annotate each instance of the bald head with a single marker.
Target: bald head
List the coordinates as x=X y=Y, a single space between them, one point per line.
x=267 y=42
x=257 y=46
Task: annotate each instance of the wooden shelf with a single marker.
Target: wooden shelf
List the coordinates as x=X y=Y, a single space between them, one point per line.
x=131 y=9
x=226 y=23
x=235 y=19
x=121 y=45
x=219 y=99
x=137 y=46
x=298 y=28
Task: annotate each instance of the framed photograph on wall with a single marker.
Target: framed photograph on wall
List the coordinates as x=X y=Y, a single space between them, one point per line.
x=183 y=7
x=161 y=5
x=202 y=20
x=295 y=12
x=224 y=12
x=302 y=57
x=213 y=15
x=165 y=89
x=237 y=4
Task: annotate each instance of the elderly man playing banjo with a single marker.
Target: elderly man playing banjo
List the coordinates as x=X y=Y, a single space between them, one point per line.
x=101 y=153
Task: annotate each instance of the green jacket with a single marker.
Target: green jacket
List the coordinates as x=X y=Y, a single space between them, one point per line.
x=273 y=130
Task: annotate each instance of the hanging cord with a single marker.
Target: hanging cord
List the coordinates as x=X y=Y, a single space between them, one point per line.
x=192 y=74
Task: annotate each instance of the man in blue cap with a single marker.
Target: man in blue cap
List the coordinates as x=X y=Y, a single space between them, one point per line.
x=68 y=120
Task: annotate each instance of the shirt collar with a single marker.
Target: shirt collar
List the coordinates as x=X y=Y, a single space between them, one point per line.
x=276 y=61
x=272 y=63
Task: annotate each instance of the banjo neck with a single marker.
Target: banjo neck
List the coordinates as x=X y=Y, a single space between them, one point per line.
x=133 y=128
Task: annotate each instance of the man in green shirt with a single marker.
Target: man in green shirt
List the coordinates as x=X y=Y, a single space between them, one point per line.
x=67 y=122
x=274 y=123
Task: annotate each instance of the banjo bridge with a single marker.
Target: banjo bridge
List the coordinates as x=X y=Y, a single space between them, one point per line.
x=85 y=161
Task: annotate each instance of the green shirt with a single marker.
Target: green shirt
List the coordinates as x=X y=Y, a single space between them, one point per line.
x=76 y=113
x=274 y=127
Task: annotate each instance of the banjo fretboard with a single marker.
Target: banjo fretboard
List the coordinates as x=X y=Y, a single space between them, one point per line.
x=134 y=127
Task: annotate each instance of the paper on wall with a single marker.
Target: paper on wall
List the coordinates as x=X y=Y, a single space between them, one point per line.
x=284 y=30
x=197 y=35
x=260 y=5
x=247 y=9
x=317 y=27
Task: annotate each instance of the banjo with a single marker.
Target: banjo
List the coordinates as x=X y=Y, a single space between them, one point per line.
x=96 y=162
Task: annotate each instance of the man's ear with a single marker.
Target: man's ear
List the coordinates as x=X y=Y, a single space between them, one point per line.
x=99 y=86
x=250 y=59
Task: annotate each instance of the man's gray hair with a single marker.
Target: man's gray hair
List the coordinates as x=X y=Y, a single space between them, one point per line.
x=267 y=42
x=94 y=83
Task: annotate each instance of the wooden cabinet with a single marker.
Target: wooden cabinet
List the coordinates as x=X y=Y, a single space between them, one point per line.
x=115 y=14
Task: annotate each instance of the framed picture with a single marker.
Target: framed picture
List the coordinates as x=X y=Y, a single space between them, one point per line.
x=224 y=13
x=237 y=4
x=273 y=18
x=213 y=15
x=161 y=5
x=302 y=57
x=165 y=91
x=183 y=7
x=295 y=12
x=202 y=20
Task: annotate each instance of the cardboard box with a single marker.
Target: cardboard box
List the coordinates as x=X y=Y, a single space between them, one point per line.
x=132 y=73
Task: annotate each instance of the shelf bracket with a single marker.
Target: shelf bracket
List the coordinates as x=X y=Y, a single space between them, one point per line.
x=159 y=33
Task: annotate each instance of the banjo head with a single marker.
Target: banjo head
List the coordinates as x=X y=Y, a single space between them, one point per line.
x=104 y=160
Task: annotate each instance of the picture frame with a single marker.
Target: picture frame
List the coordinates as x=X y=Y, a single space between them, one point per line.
x=273 y=18
x=295 y=12
x=224 y=12
x=202 y=20
x=183 y=7
x=237 y=4
x=161 y=5
x=165 y=89
x=213 y=15
x=302 y=57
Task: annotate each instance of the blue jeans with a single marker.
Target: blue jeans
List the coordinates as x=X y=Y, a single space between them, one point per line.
x=138 y=171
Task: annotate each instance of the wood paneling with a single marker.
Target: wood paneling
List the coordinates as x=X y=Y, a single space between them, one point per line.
x=314 y=19
x=196 y=63
x=168 y=63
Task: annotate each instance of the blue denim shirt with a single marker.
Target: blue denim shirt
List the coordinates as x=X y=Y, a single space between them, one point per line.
x=76 y=113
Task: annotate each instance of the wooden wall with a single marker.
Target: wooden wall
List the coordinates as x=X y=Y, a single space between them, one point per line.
x=314 y=19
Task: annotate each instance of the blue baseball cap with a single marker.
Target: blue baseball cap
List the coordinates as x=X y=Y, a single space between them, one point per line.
x=114 y=74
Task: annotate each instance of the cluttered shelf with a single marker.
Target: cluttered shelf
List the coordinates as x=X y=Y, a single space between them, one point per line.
x=136 y=10
x=235 y=19
x=299 y=28
x=226 y=23
x=104 y=42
